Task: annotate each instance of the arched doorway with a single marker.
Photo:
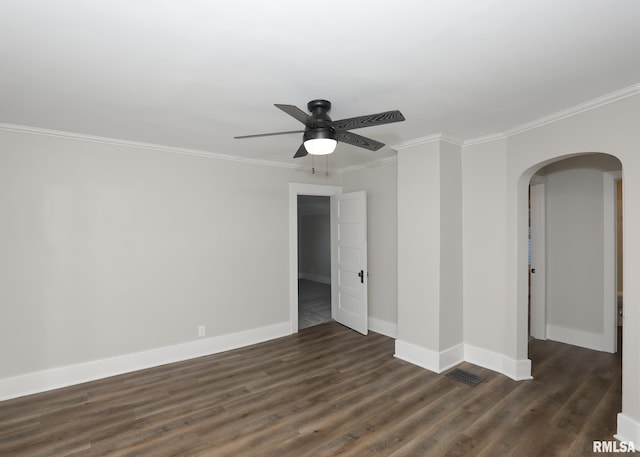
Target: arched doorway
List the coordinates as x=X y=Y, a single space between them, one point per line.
x=581 y=277
x=572 y=252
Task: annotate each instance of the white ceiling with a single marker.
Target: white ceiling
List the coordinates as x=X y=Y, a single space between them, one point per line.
x=192 y=74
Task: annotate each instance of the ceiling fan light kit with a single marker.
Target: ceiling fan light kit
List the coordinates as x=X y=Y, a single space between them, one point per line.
x=319 y=142
x=321 y=135
x=320 y=146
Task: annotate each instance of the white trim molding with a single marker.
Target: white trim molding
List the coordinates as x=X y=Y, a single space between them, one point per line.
x=560 y=115
x=538 y=246
x=518 y=370
x=141 y=145
x=563 y=114
x=610 y=256
x=628 y=429
x=588 y=340
x=425 y=140
x=438 y=362
x=580 y=108
x=55 y=378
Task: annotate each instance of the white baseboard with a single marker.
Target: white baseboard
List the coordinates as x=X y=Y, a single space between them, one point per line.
x=418 y=355
x=451 y=357
x=439 y=362
x=55 y=378
x=628 y=429
x=315 y=278
x=383 y=327
x=575 y=337
x=518 y=370
x=426 y=358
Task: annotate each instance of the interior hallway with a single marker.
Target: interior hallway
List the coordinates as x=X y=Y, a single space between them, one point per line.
x=314 y=303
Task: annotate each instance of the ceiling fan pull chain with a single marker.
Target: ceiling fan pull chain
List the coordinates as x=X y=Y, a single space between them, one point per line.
x=327 y=174
x=313 y=165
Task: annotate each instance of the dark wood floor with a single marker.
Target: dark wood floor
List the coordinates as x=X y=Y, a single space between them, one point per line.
x=314 y=303
x=325 y=391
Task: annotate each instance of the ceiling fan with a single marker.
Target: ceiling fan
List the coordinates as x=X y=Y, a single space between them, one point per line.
x=321 y=134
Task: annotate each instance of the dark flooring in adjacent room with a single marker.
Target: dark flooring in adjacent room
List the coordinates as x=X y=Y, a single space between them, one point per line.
x=314 y=303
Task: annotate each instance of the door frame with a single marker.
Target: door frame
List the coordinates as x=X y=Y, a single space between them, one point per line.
x=610 y=299
x=538 y=321
x=296 y=189
x=538 y=291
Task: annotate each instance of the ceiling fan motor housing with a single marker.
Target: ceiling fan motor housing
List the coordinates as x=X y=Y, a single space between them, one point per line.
x=319 y=110
x=319 y=132
x=318 y=106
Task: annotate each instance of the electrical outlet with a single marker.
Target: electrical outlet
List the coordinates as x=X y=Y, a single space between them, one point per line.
x=201 y=330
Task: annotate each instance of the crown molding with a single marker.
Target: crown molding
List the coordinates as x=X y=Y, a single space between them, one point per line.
x=589 y=105
x=416 y=142
x=486 y=139
x=594 y=103
x=140 y=145
x=176 y=150
x=426 y=140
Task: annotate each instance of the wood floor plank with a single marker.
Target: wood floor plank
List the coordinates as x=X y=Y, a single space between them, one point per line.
x=325 y=391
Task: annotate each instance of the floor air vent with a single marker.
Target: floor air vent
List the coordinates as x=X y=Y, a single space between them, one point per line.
x=465 y=377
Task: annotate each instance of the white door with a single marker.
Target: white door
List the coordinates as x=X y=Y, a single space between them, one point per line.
x=349 y=260
x=538 y=323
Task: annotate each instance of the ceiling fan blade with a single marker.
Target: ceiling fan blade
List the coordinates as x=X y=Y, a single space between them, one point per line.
x=296 y=112
x=368 y=121
x=302 y=151
x=359 y=140
x=268 y=134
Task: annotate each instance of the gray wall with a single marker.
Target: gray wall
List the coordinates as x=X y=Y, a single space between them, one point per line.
x=108 y=250
x=314 y=238
x=381 y=184
x=575 y=241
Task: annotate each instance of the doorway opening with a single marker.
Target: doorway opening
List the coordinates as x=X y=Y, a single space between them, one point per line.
x=575 y=265
x=296 y=190
x=348 y=222
x=314 y=260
